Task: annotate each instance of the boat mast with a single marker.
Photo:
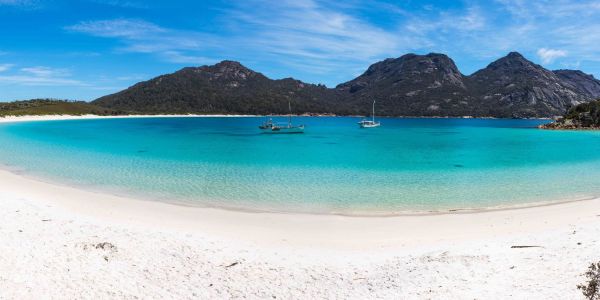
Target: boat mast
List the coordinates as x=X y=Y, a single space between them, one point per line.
x=290 y=115
x=373 y=111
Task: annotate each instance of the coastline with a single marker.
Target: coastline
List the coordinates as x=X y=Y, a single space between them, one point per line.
x=276 y=210
x=350 y=232
x=28 y=118
x=60 y=240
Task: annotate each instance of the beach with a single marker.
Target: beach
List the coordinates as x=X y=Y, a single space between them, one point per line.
x=66 y=242
x=29 y=118
x=63 y=242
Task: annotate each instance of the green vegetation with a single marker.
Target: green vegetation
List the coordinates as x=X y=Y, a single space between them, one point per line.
x=582 y=116
x=586 y=114
x=52 y=107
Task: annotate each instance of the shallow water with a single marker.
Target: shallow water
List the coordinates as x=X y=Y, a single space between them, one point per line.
x=407 y=164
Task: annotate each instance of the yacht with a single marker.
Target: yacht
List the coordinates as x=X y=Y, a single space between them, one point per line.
x=271 y=127
x=365 y=123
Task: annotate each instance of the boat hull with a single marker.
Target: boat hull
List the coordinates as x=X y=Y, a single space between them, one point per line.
x=283 y=130
x=369 y=125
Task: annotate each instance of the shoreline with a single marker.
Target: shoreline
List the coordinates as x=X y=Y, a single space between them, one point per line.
x=30 y=118
x=391 y=213
x=60 y=240
x=300 y=229
x=364 y=213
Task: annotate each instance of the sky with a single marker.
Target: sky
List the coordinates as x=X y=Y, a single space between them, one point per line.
x=81 y=50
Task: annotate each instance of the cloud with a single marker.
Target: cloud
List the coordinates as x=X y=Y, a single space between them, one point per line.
x=549 y=55
x=5 y=67
x=318 y=38
x=313 y=33
x=139 y=36
x=45 y=72
x=39 y=81
x=118 y=28
x=121 y=3
x=306 y=35
x=571 y=26
x=40 y=76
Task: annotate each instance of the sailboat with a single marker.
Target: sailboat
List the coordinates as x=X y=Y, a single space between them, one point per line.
x=270 y=127
x=364 y=123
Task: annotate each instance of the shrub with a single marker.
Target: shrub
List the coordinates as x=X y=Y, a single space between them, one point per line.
x=591 y=289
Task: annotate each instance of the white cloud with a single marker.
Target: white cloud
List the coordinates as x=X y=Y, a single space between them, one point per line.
x=39 y=81
x=571 y=26
x=550 y=55
x=306 y=34
x=40 y=76
x=5 y=67
x=320 y=37
x=314 y=34
x=121 y=3
x=138 y=36
x=123 y=28
x=41 y=71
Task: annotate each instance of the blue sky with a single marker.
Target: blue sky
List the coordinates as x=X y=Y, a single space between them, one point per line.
x=88 y=48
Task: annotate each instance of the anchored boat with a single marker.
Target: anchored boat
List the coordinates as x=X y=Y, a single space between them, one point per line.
x=364 y=123
x=271 y=127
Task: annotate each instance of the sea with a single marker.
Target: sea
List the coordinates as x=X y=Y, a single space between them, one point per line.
x=408 y=165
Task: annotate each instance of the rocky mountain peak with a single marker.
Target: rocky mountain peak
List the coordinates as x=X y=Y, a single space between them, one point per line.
x=231 y=70
x=432 y=69
x=513 y=61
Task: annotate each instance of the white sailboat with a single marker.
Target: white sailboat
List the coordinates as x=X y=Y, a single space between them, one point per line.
x=270 y=127
x=364 y=123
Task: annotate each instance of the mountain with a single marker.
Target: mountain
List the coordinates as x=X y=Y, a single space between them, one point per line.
x=227 y=87
x=582 y=116
x=411 y=85
x=515 y=87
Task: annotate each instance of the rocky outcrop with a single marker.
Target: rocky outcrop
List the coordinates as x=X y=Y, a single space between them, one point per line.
x=583 y=116
x=585 y=83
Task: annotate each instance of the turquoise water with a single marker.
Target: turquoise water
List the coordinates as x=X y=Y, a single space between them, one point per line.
x=407 y=164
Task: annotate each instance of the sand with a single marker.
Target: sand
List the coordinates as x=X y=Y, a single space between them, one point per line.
x=64 y=242
x=7 y=119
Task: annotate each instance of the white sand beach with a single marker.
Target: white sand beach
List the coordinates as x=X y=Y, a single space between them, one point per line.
x=10 y=119
x=63 y=242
